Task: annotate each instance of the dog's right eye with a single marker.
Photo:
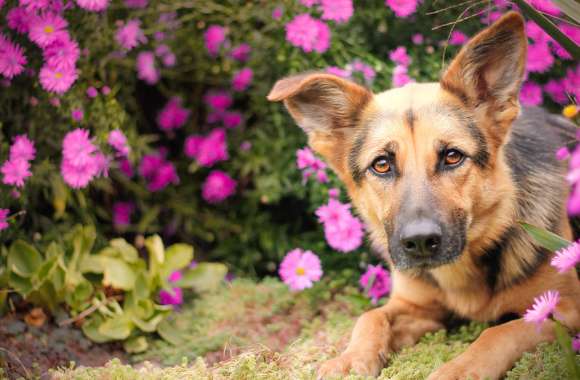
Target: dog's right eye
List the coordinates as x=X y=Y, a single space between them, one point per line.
x=381 y=165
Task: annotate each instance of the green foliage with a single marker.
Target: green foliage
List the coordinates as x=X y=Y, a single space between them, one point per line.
x=112 y=290
x=544 y=238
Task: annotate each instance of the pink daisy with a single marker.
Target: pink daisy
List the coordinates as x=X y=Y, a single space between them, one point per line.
x=22 y=149
x=47 y=28
x=338 y=72
x=146 y=69
x=77 y=114
x=539 y=58
x=63 y=54
x=400 y=56
x=309 y=3
x=3 y=218
x=308 y=33
x=277 y=13
x=218 y=100
x=19 y=19
x=173 y=296
x=567 y=258
x=300 y=269
x=122 y=213
x=118 y=141
x=400 y=76
x=173 y=115
x=576 y=343
x=136 y=3
x=12 y=59
x=545 y=6
x=378 y=282
x=562 y=154
x=192 y=145
x=57 y=80
x=556 y=90
x=337 y=10
x=213 y=148
x=241 y=53
x=417 y=39
x=531 y=94
x=218 y=186
x=93 y=5
x=232 y=119
x=130 y=35
x=15 y=172
x=402 y=8
x=77 y=147
x=242 y=79
x=214 y=37
x=458 y=38
x=543 y=307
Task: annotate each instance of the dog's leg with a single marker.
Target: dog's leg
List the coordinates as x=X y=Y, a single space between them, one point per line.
x=381 y=331
x=499 y=347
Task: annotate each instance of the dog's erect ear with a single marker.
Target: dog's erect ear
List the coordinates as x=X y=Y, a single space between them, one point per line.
x=321 y=102
x=489 y=70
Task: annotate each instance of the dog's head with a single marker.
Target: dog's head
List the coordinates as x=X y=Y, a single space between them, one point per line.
x=422 y=163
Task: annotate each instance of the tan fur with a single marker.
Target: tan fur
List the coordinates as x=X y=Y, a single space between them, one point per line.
x=480 y=87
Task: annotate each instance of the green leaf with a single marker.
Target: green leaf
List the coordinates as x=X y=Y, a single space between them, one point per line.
x=21 y=285
x=118 y=274
x=570 y=7
x=169 y=333
x=155 y=248
x=44 y=272
x=546 y=239
x=23 y=259
x=141 y=289
x=92 y=264
x=91 y=329
x=126 y=250
x=116 y=328
x=136 y=345
x=204 y=277
x=149 y=325
x=176 y=257
x=79 y=295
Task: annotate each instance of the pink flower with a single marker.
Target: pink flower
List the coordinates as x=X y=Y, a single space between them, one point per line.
x=571 y=82
x=92 y=92
x=174 y=296
x=277 y=13
x=376 y=282
x=169 y=60
x=173 y=115
x=400 y=56
x=118 y=141
x=241 y=53
x=576 y=343
x=555 y=88
x=22 y=149
x=122 y=213
x=367 y=71
x=338 y=72
x=562 y=153
x=531 y=94
x=213 y=148
x=400 y=76
x=574 y=202
x=342 y=231
x=105 y=90
x=126 y=168
x=217 y=186
x=214 y=37
x=545 y=6
x=300 y=269
x=81 y=160
x=12 y=59
x=192 y=145
x=93 y=5
x=3 y=218
x=15 y=172
x=305 y=158
x=539 y=58
x=77 y=114
x=417 y=39
x=245 y=146
x=77 y=147
x=35 y=5
x=337 y=10
x=232 y=119
x=402 y=8
x=242 y=79
x=543 y=307
x=130 y=35
x=19 y=19
x=321 y=176
x=458 y=38
x=536 y=33
x=62 y=54
x=566 y=258
x=47 y=28
x=158 y=172
x=308 y=33
x=218 y=100
x=136 y=3
x=573 y=32
x=146 y=69
x=333 y=193
x=57 y=80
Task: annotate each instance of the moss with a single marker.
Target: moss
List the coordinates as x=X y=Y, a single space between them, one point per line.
x=225 y=317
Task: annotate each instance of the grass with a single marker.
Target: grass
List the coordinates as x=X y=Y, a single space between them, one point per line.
x=262 y=331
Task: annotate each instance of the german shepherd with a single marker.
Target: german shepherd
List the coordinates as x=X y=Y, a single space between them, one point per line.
x=442 y=173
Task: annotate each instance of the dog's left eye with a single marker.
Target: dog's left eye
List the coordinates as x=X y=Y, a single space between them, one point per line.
x=453 y=157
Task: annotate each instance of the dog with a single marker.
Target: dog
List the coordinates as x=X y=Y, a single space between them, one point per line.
x=442 y=173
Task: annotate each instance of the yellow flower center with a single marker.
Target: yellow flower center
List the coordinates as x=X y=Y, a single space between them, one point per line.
x=300 y=271
x=570 y=111
x=58 y=75
x=48 y=29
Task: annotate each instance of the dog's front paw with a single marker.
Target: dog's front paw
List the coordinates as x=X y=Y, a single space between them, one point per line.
x=456 y=370
x=360 y=363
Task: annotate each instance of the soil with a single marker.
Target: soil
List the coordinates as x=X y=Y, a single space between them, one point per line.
x=28 y=352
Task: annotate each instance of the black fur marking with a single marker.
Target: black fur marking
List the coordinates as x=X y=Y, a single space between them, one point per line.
x=491 y=260
x=481 y=157
x=356 y=171
x=410 y=118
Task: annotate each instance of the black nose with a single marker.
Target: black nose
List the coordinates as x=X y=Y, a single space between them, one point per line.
x=421 y=237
